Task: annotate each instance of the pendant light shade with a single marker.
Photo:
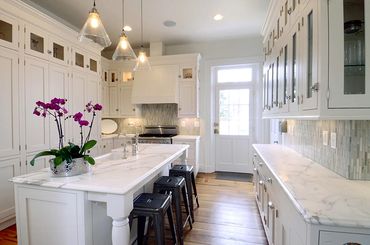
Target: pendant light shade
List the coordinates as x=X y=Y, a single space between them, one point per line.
x=123 y=50
x=142 y=63
x=94 y=30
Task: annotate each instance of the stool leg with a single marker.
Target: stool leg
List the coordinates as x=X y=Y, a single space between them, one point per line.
x=172 y=225
x=187 y=207
x=141 y=230
x=195 y=188
x=159 y=229
x=190 y=195
x=177 y=198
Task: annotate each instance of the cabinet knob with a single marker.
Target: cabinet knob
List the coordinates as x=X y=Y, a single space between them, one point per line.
x=271 y=205
x=269 y=180
x=179 y=109
x=133 y=109
x=260 y=163
x=290 y=11
x=49 y=51
x=315 y=87
x=117 y=110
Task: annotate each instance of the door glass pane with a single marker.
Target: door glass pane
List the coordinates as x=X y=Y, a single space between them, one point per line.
x=79 y=60
x=93 y=65
x=229 y=75
x=309 y=54
x=58 y=51
x=234 y=111
x=285 y=74
x=6 y=31
x=294 y=70
x=354 y=47
x=37 y=43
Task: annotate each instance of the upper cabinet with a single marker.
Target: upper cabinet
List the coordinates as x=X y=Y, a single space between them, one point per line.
x=85 y=62
x=315 y=60
x=9 y=31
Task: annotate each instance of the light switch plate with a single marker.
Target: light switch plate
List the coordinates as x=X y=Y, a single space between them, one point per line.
x=333 y=140
x=325 y=137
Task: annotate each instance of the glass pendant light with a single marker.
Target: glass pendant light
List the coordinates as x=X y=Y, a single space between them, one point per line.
x=142 y=62
x=123 y=50
x=94 y=30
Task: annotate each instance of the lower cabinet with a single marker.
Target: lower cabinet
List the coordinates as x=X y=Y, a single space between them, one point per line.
x=106 y=146
x=9 y=168
x=193 y=151
x=285 y=225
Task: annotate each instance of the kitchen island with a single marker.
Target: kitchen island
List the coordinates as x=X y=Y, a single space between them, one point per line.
x=92 y=208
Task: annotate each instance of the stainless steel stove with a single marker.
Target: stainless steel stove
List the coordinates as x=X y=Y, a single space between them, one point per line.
x=158 y=134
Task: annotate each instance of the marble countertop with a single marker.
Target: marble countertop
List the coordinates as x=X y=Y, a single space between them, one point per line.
x=320 y=195
x=186 y=137
x=111 y=176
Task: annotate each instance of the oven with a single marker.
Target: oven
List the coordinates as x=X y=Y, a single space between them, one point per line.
x=158 y=134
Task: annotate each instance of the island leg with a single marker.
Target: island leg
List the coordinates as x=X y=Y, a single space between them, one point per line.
x=119 y=208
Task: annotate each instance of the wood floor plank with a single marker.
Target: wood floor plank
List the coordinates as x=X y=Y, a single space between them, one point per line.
x=227 y=215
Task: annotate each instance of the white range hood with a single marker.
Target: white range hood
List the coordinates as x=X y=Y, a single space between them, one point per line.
x=157 y=86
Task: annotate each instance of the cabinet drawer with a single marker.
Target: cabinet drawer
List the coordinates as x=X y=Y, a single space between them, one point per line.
x=335 y=238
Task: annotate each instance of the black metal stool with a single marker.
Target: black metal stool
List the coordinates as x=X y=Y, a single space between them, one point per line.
x=154 y=206
x=187 y=172
x=176 y=186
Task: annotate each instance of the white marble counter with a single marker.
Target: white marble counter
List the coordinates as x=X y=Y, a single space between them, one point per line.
x=320 y=195
x=186 y=137
x=111 y=176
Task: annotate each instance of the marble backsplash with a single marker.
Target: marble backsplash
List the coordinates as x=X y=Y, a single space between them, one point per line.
x=350 y=159
x=159 y=114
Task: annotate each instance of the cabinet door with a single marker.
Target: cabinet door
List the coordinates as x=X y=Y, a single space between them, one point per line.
x=105 y=100
x=36 y=42
x=77 y=102
x=8 y=169
x=9 y=101
x=36 y=87
x=284 y=79
x=334 y=238
x=59 y=51
x=78 y=60
x=187 y=99
x=309 y=75
x=93 y=65
x=126 y=108
x=40 y=163
x=349 y=71
x=113 y=101
x=9 y=31
x=114 y=77
x=294 y=62
x=58 y=88
x=187 y=73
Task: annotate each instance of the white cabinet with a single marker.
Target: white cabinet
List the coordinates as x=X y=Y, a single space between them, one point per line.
x=77 y=103
x=36 y=72
x=188 y=102
x=9 y=31
x=334 y=238
x=126 y=108
x=193 y=151
x=113 y=101
x=58 y=88
x=106 y=146
x=9 y=101
x=9 y=168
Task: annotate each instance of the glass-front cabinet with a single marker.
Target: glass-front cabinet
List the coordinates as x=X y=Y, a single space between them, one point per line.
x=9 y=30
x=349 y=53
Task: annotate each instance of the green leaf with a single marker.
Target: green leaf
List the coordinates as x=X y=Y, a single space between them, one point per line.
x=89 y=160
x=42 y=154
x=88 y=145
x=58 y=161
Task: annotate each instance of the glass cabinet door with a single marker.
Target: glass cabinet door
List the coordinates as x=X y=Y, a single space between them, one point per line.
x=349 y=35
x=8 y=31
x=294 y=43
x=309 y=69
x=58 y=51
x=36 y=42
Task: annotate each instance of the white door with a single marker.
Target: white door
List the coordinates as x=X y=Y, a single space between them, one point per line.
x=58 y=87
x=77 y=103
x=234 y=118
x=9 y=101
x=36 y=88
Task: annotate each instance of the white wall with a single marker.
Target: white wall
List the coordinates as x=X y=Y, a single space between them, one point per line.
x=247 y=50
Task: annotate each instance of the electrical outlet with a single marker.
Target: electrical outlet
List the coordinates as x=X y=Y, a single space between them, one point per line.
x=333 y=140
x=325 y=137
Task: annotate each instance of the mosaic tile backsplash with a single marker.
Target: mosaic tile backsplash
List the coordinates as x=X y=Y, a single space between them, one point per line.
x=350 y=159
x=159 y=114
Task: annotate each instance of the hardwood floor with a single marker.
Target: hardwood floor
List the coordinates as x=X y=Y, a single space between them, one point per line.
x=227 y=215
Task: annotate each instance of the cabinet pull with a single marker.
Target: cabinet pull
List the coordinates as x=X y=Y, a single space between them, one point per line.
x=260 y=182
x=315 y=87
x=269 y=180
x=117 y=110
x=49 y=52
x=271 y=205
x=290 y=11
x=255 y=169
x=260 y=163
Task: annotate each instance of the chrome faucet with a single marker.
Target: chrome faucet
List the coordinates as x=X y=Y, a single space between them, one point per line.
x=135 y=146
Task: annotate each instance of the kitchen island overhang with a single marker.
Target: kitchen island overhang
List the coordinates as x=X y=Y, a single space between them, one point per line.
x=63 y=211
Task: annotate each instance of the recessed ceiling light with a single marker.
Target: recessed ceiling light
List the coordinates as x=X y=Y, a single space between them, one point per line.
x=169 y=23
x=218 y=17
x=127 y=28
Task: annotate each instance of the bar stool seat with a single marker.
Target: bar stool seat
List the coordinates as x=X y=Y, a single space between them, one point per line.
x=187 y=172
x=154 y=206
x=177 y=187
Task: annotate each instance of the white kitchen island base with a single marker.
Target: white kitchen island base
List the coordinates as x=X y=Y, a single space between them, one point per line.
x=91 y=208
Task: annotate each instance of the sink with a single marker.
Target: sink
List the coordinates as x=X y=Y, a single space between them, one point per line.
x=115 y=155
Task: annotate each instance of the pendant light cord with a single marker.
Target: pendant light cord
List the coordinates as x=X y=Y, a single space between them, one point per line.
x=123 y=15
x=94 y=4
x=141 y=14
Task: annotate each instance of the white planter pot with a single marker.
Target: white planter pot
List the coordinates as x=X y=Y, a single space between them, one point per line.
x=76 y=167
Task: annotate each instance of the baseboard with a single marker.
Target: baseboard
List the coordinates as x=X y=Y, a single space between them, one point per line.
x=7 y=223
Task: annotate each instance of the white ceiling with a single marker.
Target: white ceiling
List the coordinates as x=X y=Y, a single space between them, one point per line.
x=194 y=18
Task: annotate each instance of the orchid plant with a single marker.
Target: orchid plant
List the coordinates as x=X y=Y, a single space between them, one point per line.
x=57 y=110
